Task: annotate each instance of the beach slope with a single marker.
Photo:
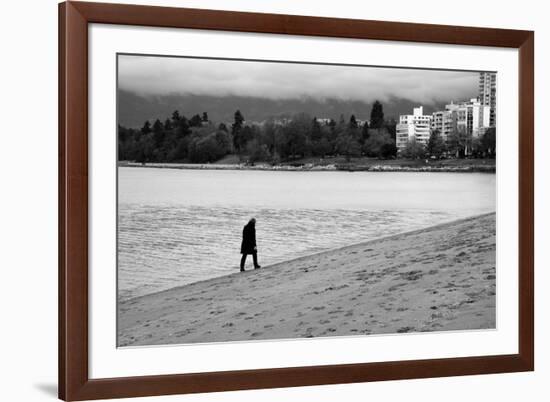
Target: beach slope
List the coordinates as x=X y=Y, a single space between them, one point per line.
x=435 y=279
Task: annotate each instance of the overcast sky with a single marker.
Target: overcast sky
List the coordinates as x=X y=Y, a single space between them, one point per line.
x=171 y=75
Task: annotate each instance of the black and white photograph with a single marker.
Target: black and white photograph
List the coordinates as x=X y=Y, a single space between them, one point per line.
x=268 y=199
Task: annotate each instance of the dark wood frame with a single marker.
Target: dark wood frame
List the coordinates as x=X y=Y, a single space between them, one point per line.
x=74 y=382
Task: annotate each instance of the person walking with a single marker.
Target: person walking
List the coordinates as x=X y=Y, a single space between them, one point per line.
x=248 y=245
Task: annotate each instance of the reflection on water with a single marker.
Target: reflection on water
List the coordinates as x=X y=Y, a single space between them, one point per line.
x=179 y=226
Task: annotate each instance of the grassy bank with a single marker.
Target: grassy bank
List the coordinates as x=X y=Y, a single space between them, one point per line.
x=339 y=163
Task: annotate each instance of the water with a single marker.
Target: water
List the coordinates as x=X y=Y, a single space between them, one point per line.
x=179 y=226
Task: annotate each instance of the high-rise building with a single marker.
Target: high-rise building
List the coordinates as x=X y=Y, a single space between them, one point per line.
x=488 y=94
x=414 y=126
x=444 y=121
x=469 y=117
x=472 y=117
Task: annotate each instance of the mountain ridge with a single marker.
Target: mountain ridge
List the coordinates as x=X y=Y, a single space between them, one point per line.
x=134 y=109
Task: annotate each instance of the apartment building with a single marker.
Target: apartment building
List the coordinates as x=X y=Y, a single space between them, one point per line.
x=413 y=126
x=444 y=121
x=470 y=117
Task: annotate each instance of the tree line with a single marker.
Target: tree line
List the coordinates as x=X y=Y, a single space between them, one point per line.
x=459 y=144
x=199 y=140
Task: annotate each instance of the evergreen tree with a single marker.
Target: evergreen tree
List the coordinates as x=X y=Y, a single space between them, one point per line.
x=146 y=129
x=377 y=115
x=195 y=121
x=157 y=126
x=391 y=126
x=365 y=133
x=158 y=133
x=182 y=129
x=168 y=125
x=353 y=130
x=236 y=130
x=316 y=132
x=332 y=125
x=176 y=116
x=270 y=136
x=353 y=122
x=205 y=117
x=332 y=134
x=222 y=127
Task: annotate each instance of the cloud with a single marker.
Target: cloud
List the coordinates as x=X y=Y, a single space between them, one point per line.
x=149 y=75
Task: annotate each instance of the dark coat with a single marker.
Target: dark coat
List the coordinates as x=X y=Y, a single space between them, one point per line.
x=249 y=239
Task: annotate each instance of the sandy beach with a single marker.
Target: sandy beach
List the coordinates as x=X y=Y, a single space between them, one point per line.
x=434 y=279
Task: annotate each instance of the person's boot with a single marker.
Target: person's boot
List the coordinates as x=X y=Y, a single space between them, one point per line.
x=257 y=267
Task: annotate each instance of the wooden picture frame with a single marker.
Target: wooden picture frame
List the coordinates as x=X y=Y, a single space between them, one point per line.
x=74 y=381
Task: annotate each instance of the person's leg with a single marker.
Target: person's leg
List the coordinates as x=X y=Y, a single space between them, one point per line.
x=255 y=258
x=243 y=260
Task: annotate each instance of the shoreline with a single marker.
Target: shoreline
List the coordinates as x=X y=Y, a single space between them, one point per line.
x=319 y=254
x=281 y=300
x=315 y=168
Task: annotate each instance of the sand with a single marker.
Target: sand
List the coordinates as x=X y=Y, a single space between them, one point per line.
x=440 y=278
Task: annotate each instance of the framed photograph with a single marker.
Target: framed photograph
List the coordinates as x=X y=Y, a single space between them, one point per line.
x=259 y=200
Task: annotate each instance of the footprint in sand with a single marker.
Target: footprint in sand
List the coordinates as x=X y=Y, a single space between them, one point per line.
x=412 y=275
